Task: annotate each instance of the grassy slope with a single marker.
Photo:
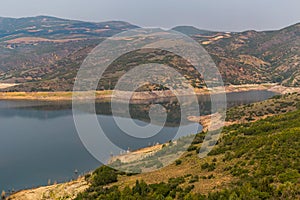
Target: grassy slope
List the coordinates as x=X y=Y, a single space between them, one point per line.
x=277 y=105
x=257 y=160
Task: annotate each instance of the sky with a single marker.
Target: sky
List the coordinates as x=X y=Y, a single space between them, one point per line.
x=221 y=15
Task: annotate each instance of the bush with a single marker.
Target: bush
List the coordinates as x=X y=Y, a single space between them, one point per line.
x=192 y=148
x=209 y=167
x=103 y=176
x=178 y=162
x=204 y=166
x=194 y=179
x=211 y=176
x=289 y=176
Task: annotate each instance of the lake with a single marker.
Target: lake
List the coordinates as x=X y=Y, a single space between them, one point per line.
x=39 y=141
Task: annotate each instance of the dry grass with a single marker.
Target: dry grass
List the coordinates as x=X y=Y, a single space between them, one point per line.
x=65 y=191
x=190 y=165
x=49 y=96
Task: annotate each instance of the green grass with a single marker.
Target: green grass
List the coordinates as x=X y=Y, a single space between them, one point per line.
x=259 y=160
x=277 y=105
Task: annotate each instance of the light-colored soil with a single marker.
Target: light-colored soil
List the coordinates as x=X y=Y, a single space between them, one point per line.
x=48 y=96
x=30 y=40
x=6 y=85
x=140 y=96
x=136 y=155
x=206 y=121
x=66 y=191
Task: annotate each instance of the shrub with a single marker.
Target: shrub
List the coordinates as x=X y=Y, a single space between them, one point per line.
x=103 y=176
x=178 y=162
x=209 y=167
x=194 y=179
x=211 y=176
x=192 y=148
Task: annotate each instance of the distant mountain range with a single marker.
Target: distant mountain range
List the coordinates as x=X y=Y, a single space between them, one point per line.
x=43 y=53
x=56 y=28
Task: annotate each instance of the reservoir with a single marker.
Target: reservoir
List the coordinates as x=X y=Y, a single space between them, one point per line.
x=39 y=141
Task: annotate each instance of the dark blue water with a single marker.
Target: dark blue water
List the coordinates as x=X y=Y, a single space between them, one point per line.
x=38 y=141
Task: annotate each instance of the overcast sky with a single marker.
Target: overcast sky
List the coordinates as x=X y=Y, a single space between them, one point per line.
x=225 y=15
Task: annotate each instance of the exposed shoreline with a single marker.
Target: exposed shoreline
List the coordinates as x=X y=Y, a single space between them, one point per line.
x=6 y=85
x=68 y=190
x=142 y=96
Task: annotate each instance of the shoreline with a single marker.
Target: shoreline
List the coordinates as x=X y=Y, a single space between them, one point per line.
x=67 y=190
x=142 y=96
x=7 y=85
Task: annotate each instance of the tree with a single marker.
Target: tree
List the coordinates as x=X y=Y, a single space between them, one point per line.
x=104 y=175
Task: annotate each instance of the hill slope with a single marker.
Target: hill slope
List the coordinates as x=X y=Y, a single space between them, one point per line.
x=30 y=47
x=258 y=160
x=56 y=28
x=251 y=56
x=44 y=53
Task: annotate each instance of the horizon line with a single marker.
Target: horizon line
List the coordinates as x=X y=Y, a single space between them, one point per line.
x=170 y=28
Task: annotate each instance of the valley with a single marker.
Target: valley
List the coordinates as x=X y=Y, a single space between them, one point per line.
x=255 y=157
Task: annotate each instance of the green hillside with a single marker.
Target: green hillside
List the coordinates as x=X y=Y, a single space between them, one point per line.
x=259 y=160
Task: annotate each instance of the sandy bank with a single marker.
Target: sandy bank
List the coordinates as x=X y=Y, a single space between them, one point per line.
x=6 y=85
x=141 y=96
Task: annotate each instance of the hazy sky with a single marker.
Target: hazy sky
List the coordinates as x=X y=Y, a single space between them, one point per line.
x=228 y=15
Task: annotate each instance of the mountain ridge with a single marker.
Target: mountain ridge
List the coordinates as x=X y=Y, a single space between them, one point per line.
x=249 y=57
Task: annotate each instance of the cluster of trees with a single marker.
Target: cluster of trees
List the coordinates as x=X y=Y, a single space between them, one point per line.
x=278 y=104
x=263 y=157
x=143 y=191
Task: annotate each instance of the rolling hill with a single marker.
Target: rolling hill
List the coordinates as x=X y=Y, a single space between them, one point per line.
x=43 y=53
x=32 y=47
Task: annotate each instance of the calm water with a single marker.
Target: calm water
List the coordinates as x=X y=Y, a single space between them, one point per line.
x=38 y=141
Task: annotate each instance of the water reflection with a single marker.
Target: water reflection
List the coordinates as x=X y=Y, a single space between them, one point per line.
x=39 y=140
x=138 y=110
